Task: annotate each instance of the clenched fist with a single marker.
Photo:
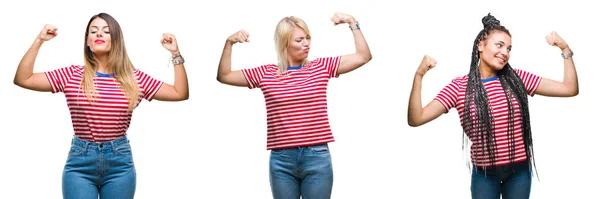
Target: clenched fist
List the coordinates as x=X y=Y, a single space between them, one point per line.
x=239 y=36
x=427 y=64
x=47 y=33
x=554 y=40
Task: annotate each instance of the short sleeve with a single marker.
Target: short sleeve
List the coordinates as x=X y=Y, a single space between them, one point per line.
x=448 y=96
x=531 y=81
x=331 y=64
x=148 y=84
x=255 y=75
x=59 y=78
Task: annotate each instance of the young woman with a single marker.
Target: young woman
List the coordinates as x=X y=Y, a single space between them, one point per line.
x=101 y=96
x=497 y=120
x=295 y=96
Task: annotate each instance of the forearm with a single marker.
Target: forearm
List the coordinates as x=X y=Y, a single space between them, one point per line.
x=225 y=62
x=415 y=107
x=181 y=81
x=360 y=43
x=570 y=74
x=25 y=68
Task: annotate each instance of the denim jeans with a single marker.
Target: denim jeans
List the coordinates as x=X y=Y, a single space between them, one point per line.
x=102 y=169
x=512 y=181
x=301 y=171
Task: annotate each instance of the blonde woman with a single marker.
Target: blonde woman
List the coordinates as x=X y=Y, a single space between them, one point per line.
x=101 y=96
x=295 y=96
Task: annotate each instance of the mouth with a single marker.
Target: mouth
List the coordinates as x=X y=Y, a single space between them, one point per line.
x=306 y=50
x=501 y=60
x=99 y=41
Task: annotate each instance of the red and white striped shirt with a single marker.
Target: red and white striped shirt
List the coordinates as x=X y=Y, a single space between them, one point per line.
x=107 y=118
x=453 y=96
x=296 y=102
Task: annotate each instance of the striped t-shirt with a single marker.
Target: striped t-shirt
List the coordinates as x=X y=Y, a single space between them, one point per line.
x=296 y=102
x=107 y=117
x=453 y=96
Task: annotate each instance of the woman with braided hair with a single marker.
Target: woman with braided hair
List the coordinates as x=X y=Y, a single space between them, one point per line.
x=499 y=129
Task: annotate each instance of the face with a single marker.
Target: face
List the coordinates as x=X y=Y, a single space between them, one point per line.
x=98 y=39
x=299 y=46
x=495 y=50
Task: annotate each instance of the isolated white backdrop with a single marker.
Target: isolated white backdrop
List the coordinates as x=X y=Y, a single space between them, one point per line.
x=213 y=145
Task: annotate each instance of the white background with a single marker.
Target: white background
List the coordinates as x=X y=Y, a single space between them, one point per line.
x=214 y=144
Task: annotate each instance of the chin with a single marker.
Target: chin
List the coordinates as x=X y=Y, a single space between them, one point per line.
x=99 y=51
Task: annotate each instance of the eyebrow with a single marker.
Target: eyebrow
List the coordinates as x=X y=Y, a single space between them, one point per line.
x=97 y=26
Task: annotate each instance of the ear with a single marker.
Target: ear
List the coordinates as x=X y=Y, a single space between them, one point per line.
x=480 y=46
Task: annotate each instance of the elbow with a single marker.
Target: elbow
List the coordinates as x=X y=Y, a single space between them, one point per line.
x=367 y=57
x=185 y=97
x=18 y=82
x=574 y=93
x=221 y=78
x=413 y=123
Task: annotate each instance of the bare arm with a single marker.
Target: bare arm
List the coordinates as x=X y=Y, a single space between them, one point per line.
x=224 y=73
x=417 y=114
x=363 y=53
x=569 y=87
x=24 y=77
x=179 y=90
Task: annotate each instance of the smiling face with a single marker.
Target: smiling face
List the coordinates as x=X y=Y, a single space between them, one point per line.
x=298 y=47
x=98 y=39
x=494 y=51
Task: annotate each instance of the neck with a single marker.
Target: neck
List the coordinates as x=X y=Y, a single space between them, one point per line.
x=295 y=62
x=486 y=71
x=102 y=61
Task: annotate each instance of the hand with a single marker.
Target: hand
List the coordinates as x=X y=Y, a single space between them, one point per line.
x=169 y=42
x=340 y=18
x=239 y=36
x=554 y=40
x=47 y=33
x=427 y=64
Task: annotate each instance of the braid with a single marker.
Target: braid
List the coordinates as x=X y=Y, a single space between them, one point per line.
x=478 y=117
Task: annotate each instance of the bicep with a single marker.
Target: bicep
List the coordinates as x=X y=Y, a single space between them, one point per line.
x=351 y=62
x=37 y=82
x=234 y=78
x=552 y=88
x=432 y=111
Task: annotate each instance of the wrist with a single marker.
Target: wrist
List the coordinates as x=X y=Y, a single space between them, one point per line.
x=565 y=50
x=352 y=22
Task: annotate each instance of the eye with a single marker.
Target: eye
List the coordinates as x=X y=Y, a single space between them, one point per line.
x=499 y=45
x=93 y=32
x=106 y=32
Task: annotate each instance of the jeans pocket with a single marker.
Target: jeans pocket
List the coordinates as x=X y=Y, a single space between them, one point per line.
x=75 y=150
x=320 y=149
x=123 y=149
x=278 y=151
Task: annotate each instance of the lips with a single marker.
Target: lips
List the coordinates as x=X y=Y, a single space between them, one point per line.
x=306 y=50
x=99 y=41
x=501 y=60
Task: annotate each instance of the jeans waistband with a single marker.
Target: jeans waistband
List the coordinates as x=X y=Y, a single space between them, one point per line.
x=108 y=144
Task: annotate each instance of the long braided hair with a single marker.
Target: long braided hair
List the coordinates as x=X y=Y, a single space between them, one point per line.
x=478 y=118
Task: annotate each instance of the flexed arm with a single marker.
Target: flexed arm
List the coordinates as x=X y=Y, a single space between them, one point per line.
x=24 y=77
x=224 y=74
x=363 y=53
x=569 y=87
x=417 y=114
x=179 y=90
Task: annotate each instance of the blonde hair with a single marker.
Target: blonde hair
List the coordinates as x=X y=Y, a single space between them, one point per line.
x=118 y=63
x=283 y=35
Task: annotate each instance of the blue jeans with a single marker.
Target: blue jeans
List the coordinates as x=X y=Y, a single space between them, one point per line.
x=105 y=169
x=301 y=171
x=512 y=181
